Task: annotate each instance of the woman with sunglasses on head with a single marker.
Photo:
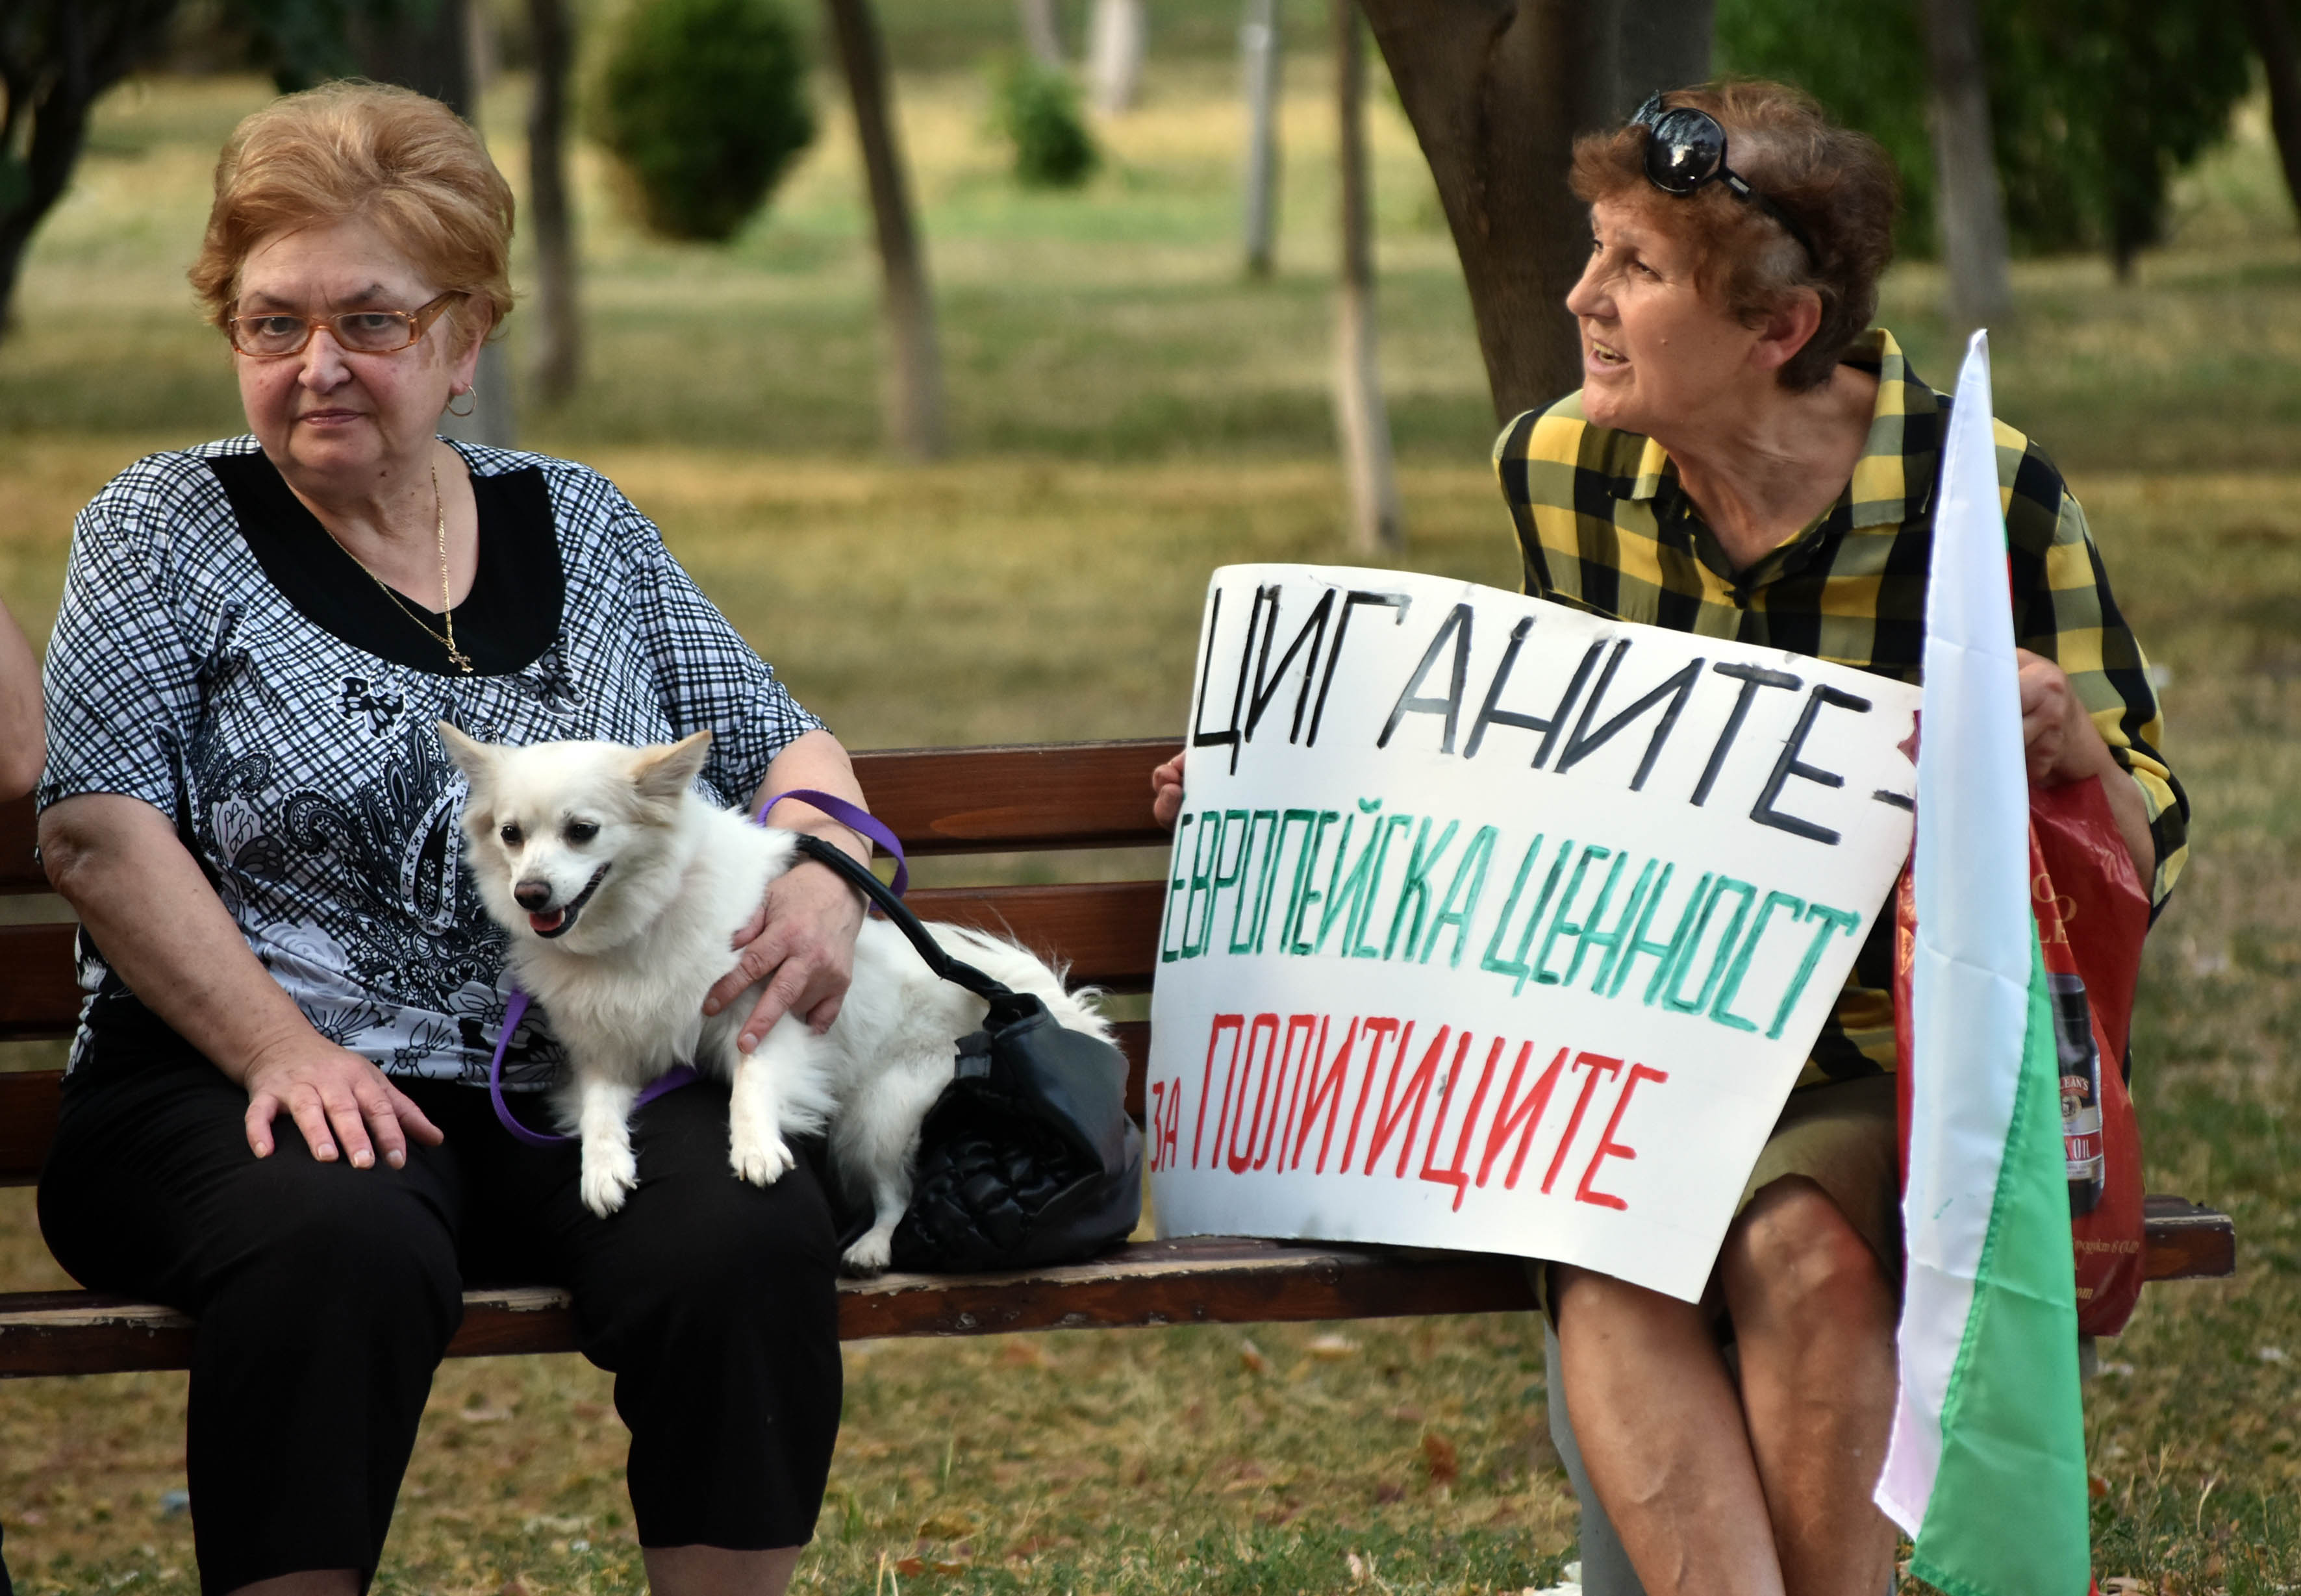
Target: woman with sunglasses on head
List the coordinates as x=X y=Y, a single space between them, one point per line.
x=276 y=1116
x=1748 y=458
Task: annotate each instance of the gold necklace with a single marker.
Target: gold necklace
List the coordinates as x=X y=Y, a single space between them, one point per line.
x=461 y=660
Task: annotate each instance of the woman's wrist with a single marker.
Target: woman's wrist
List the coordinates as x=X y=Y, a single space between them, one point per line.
x=278 y=1044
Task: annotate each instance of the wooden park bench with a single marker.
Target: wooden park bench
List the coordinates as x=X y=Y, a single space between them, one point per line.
x=1055 y=799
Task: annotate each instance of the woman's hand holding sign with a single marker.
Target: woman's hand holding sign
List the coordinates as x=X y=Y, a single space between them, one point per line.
x=1166 y=792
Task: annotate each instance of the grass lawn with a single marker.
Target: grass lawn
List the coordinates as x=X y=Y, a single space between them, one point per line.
x=1128 y=411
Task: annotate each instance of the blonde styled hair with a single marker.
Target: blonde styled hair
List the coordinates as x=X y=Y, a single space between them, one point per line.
x=368 y=152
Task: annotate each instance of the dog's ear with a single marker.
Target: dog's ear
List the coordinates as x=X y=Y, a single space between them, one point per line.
x=664 y=772
x=476 y=760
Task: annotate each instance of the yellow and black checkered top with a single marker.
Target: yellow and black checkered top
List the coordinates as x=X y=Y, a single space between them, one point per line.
x=1603 y=525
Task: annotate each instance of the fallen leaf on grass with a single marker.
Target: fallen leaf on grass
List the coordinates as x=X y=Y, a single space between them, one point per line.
x=947 y=1525
x=1407 y=1413
x=1331 y=1347
x=911 y=1567
x=1025 y=1355
x=1440 y=1457
x=1250 y=1358
x=1387 y=1492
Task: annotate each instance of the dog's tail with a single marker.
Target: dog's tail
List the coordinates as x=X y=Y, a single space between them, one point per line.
x=1013 y=965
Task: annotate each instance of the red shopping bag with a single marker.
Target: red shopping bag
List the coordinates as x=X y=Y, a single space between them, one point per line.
x=2092 y=914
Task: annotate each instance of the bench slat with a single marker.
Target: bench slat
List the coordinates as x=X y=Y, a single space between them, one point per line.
x=28 y=1101
x=18 y=873
x=39 y=993
x=986 y=799
x=1108 y=930
x=1204 y=1281
x=2183 y=1241
x=937 y=800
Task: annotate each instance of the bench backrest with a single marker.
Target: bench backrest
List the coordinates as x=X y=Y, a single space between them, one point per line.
x=1032 y=800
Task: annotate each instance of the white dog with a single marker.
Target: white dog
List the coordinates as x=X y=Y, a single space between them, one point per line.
x=622 y=890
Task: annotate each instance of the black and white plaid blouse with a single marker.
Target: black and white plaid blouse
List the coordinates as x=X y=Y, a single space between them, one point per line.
x=306 y=775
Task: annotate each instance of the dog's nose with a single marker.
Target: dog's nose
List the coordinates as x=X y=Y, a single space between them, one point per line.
x=532 y=895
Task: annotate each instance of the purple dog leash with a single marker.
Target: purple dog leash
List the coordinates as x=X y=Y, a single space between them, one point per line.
x=852 y=817
x=855 y=819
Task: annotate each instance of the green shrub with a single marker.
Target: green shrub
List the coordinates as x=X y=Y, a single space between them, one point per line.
x=703 y=104
x=1038 y=111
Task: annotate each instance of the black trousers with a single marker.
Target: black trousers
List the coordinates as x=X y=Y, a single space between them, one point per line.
x=325 y=1296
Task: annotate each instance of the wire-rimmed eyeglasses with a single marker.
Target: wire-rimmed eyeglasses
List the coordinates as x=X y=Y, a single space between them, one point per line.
x=266 y=334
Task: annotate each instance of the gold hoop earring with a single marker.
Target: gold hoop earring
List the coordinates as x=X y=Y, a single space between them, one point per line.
x=470 y=393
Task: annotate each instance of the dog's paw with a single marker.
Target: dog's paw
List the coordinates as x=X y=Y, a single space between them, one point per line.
x=760 y=1160
x=608 y=1179
x=871 y=1254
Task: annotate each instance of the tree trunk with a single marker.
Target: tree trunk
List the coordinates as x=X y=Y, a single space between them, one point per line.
x=429 y=51
x=1493 y=92
x=56 y=57
x=1042 y=33
x=1359 y=411
x=2274 y=38
x=1497 y=90
x=914 y=373
x=1115 y=42
x=427 y=48
x=1658 y=44
x=1969 y=203
x=1257 y=51
x=558 y=359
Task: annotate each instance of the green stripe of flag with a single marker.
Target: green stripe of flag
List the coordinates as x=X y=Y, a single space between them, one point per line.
x=2008 y=1512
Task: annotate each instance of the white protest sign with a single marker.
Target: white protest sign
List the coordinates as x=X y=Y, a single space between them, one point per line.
x=1495 y=926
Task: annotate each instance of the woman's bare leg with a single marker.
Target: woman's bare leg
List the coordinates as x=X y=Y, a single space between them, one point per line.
x=1814 y=1317
x=1661 y=1434
x=710 y=1571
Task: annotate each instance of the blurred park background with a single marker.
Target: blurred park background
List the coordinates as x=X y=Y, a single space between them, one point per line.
x=1122 y=404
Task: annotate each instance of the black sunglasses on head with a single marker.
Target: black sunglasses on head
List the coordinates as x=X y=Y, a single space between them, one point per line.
x=1686 y=148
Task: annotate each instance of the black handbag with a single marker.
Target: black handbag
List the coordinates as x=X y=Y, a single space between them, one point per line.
x=1028 y=1157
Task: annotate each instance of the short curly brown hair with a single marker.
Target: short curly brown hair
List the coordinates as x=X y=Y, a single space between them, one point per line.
x=371 y=151
x=1839 y=185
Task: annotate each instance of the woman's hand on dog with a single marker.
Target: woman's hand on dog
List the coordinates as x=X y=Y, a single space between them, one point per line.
x=342 y=1103
x=801 y=944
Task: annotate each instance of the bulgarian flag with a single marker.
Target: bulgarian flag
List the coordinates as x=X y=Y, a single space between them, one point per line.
x=1985 y=1469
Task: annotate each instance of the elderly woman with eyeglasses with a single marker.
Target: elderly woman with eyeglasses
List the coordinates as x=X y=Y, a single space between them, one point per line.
x=1749 y=458
x=276 y=1116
